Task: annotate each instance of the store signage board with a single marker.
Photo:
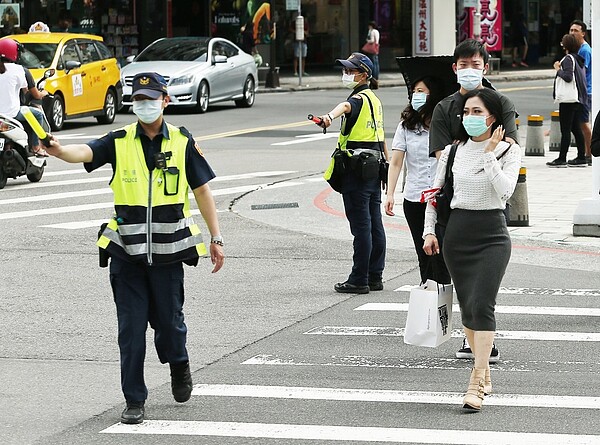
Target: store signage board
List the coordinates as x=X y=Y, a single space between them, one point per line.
x=292 y=5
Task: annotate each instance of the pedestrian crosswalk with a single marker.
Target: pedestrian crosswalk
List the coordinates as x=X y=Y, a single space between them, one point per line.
x=323 y=356
x=49 y=196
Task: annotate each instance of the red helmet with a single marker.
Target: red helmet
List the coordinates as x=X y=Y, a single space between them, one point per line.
x=8 y=50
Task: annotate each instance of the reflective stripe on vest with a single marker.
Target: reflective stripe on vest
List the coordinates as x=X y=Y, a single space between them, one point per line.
x=151 y=226
x=362 y=134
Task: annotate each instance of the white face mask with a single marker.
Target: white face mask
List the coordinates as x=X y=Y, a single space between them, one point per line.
x=348 y=80
x=469 y=78
x=148 y=111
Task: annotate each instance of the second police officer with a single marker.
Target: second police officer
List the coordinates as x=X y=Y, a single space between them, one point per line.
x=361 y=133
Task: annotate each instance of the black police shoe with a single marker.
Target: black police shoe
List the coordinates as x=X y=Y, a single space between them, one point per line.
x=348 y=288
x=375 y=285
x=133 y=414
x=181 y=382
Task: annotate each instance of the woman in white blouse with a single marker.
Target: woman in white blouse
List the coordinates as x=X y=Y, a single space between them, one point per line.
x=411 y=147
x=476 y=243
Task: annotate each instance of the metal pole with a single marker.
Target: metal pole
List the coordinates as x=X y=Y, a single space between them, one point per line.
x=300 y=70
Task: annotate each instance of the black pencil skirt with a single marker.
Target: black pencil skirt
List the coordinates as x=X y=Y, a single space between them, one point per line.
x=477 y=249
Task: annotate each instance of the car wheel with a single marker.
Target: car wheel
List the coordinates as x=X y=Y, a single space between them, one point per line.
x=36 y=175
x=3 y=178
x=203 y=97
x=110 y=108
x=248 y=100
x=57 y=116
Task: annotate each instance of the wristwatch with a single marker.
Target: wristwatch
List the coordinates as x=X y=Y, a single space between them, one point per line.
x=218 y=239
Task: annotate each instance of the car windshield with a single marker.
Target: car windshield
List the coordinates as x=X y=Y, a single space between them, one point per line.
x=175 y=49
x=37 y=55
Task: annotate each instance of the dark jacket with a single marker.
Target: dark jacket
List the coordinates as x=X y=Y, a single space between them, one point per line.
x=566 y=73
x=596 y=137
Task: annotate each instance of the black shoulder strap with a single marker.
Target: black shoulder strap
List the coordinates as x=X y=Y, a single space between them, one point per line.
x=504 y=152
x=373 y=117
x=451 y=155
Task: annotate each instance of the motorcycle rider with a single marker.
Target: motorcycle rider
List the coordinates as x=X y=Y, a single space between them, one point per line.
x=12 y=77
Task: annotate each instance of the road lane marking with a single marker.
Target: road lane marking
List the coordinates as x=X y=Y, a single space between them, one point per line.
x=102 y=205
x=532 y=291
x=423 y=362
x=108 y=178
x=526 y=310
x=387 y=331
x=304 y=138
x=345 y=433
x=392 y=396
x=227 y=134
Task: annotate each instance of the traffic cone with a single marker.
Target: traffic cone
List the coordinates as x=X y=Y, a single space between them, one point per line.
x=534 y=146
x=554 y=131
x=518 y=204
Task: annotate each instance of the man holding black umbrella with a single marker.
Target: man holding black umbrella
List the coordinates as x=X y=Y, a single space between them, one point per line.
x=470 y=63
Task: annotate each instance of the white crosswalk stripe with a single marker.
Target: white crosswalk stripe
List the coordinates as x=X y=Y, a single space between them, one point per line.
x=347 y=433
x=524 y=310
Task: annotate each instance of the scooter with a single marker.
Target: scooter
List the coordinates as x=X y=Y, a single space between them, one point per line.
x=16 y=154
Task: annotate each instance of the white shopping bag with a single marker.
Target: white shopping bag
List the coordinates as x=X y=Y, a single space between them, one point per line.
x=429 y=320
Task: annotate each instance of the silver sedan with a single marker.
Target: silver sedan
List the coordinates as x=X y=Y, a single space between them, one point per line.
x=199 y=71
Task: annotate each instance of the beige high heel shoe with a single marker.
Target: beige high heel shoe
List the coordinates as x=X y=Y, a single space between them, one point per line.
x=474 y=396
x=487 y=382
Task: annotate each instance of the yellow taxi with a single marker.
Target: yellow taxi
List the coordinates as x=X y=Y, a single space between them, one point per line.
x=85 y=77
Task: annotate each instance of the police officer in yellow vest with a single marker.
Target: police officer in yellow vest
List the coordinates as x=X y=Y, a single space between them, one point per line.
x=361 y=133
x=151 y=234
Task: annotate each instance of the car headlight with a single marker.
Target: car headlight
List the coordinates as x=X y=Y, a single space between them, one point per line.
x=182 y=80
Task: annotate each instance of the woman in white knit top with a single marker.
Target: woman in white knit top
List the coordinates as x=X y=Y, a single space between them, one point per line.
x=476 y=244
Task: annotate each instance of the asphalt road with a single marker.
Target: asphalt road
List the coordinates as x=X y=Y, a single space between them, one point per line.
x=279 y=357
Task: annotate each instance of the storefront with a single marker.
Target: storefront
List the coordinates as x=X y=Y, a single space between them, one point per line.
x=334 y=27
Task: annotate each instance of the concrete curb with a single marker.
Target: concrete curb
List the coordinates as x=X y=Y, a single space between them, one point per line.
x=388 y=80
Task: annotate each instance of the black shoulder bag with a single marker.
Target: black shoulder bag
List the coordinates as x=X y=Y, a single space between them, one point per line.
x=444 y=197
x=383 y=165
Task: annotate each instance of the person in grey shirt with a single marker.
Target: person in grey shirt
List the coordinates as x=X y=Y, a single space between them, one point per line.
x=470 y=63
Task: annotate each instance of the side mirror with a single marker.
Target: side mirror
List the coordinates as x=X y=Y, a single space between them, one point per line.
x=71 y=65
x=49 y=73
x=129 y=59
x=220 y=59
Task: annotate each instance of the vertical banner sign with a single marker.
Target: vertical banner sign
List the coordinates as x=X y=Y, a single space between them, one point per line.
x=491 y=24
x=423 y=28
x=490 y=21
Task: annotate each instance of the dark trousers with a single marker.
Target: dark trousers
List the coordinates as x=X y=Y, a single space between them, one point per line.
x=147 y=294
x=363 y=210
x=430 y=267
x=570 y=122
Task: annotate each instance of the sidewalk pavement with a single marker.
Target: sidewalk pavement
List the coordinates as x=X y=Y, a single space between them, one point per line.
x=553 y=193
x=332 y=79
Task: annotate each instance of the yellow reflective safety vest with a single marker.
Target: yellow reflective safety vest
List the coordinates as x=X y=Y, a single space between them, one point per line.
x=152 y=222
x=362 y=134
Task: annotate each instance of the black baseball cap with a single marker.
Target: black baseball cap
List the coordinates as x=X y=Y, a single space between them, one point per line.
x=149 y=84
x=357 y=61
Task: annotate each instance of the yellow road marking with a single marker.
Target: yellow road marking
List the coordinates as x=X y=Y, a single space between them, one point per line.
x=548 y=87
x=252 y=130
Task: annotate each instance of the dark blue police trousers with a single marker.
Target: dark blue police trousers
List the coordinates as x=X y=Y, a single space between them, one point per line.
x=147 y=294
x=362 y=205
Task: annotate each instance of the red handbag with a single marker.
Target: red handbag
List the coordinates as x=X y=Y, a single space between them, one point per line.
x=370 y=48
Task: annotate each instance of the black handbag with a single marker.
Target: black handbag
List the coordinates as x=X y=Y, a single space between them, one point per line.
x=444 y=197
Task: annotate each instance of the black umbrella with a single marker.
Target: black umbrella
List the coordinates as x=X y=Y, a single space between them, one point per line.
x=416 y=67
